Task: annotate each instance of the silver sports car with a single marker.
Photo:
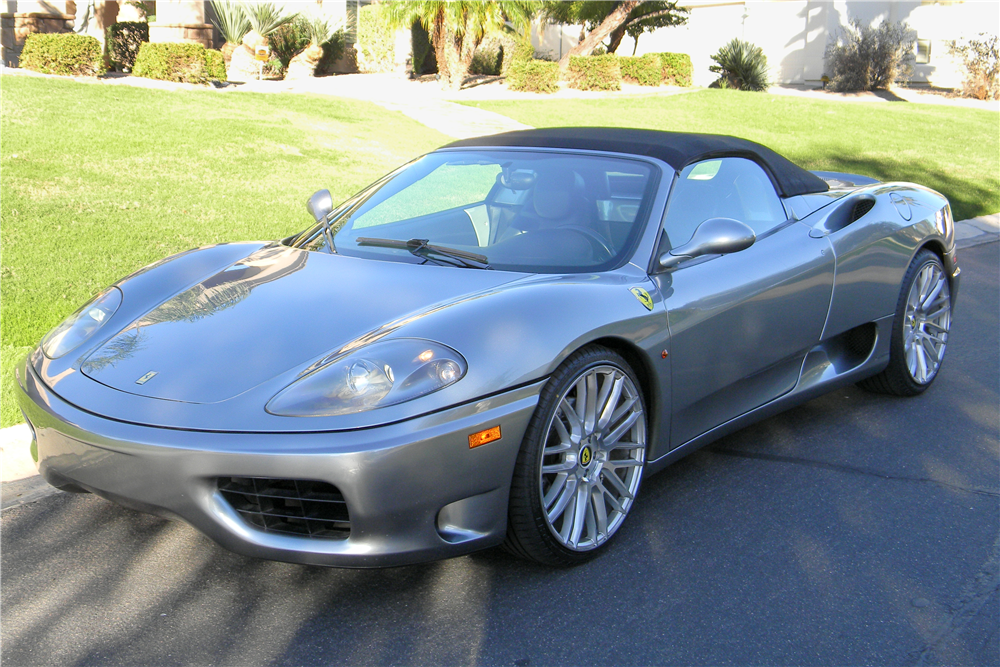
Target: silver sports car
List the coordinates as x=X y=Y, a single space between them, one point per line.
x=490 y=345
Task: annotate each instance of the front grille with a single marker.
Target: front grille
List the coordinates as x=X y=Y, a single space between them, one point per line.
x=289 y=506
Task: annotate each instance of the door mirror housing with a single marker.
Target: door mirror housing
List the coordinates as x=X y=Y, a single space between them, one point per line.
x=715 y=236
x=320 y=205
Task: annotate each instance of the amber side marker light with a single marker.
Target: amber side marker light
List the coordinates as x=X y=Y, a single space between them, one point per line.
x=483 y=437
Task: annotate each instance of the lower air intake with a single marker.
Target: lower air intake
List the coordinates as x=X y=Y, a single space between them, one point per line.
x=301 y=507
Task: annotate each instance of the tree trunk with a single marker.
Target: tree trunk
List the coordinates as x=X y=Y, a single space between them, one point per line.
x=614 y=19
x=438 y=39
x=616 y=38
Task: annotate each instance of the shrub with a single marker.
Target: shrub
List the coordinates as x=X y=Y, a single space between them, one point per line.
x=376 y=40
x=66 y=54
x=741 y=66
x=497 y=52
x=533 y=76
x=522 y=52
x=287 y=40
x=424 y=60
x=981 y=58
x=645 y=70
x=215 y=65
x=124 y=40
x=333 y=50
x=595 y=72
x=866 y=58
x=677 y=68
x=184 y=63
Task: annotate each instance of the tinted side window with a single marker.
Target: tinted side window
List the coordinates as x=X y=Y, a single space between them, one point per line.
x=724 y=188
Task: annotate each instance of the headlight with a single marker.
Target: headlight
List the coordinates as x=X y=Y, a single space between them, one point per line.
x=381 y=374
x=82 y=324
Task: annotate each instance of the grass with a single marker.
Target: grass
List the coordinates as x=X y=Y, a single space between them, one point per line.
x=953 y=150
x=100 y=180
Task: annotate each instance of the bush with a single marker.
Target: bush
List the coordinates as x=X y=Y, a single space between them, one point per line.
x=523 y=52
x=288 y=40
x=866 y=58
x=645 y=70
x=424 y=60
x=376 y=40
x=184 y=63
x=333 y=50
x=595 y=72
x=677 y=68
x=533 y=76
x=495 y=55
x=124 y=40
x=982 y=66
x=65 y=54
x=215 y=65
x=741 y=66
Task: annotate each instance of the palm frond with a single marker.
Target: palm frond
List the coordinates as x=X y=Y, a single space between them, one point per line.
x=231 y=20
x=266 y=17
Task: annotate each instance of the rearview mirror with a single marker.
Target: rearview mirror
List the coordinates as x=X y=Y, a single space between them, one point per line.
x=320 y=205
x=715 y=236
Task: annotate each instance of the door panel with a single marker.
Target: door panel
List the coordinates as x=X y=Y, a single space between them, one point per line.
x=741 y=324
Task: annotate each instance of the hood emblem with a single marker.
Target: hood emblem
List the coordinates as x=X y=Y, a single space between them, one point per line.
x=146 y=378
x=643 y=297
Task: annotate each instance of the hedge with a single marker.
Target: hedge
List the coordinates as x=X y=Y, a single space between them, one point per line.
x=645 y=70
x=497 y=51
x=376 y=40
x=533 y=76
x=67 y=54
x=184 y=63
x=677 y=69
x=124 y=40
x=595 y=72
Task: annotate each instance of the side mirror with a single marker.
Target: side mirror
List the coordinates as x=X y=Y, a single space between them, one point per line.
x=320 y=205
x=715 y=236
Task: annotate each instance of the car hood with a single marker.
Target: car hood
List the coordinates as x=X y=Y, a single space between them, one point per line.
x=264 y=315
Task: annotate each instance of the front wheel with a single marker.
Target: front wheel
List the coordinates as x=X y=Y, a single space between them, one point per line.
x=581 y=462
x=919 y=331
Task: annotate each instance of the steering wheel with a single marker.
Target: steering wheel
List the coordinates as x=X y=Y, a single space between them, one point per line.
x=599 y=243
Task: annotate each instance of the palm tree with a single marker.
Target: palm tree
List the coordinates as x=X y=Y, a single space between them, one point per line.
x=232 y=23
x=457 y=28
x=320 y=30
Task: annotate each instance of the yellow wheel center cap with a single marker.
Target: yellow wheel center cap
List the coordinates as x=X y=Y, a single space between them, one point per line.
x=586 y=455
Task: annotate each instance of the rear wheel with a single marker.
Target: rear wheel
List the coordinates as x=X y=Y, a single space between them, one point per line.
x=581 y=462
x=919 y=331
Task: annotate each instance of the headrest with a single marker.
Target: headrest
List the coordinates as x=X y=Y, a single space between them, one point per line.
x=553 y=195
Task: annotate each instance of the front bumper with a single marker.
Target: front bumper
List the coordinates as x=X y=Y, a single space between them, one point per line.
x=415 y=491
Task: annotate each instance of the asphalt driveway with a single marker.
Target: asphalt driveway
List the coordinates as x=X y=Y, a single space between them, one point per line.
x=857 y=529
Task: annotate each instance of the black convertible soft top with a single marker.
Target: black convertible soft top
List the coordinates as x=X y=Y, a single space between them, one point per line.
x=678 y=149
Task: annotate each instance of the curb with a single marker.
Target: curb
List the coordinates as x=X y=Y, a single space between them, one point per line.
x=21 y=482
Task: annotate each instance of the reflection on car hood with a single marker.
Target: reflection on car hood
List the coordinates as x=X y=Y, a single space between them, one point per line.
x=275 y=310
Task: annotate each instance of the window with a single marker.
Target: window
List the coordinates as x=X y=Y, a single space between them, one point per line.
x=923 y=51
x=724 y=188
x=522 y=210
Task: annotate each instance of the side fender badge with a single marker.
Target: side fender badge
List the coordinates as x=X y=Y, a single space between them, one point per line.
x=643 y=297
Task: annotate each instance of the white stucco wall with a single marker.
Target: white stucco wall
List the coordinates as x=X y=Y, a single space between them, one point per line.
x=794 y=33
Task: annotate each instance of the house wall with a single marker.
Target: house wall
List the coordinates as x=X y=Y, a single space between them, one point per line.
x=794 y=33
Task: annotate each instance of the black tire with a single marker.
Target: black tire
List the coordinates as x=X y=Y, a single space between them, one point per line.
x=531 y=534
x=898 y=379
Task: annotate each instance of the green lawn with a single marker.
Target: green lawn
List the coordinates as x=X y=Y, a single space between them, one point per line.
x=950 y=149
x=99 y=180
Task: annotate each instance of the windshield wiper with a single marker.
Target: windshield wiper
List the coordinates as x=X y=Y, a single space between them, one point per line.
x=421 y=248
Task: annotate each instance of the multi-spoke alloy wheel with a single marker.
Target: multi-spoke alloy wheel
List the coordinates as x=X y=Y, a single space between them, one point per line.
x=581 y=462
x=919 y=331
x=926 y=324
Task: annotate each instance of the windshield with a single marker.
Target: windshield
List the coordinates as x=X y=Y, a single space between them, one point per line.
x=517 y=210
